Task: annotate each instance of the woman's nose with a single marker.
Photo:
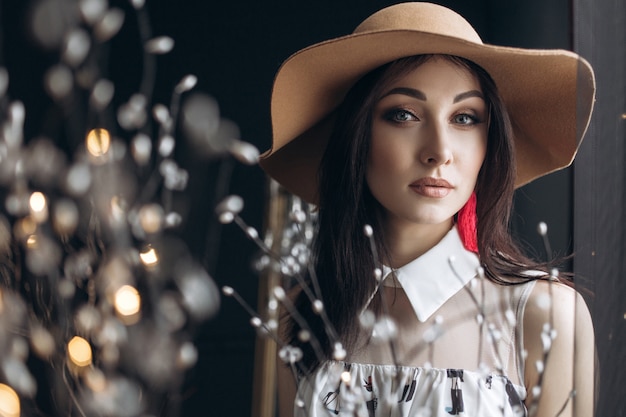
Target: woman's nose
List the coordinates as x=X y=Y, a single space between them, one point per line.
x=435 y=149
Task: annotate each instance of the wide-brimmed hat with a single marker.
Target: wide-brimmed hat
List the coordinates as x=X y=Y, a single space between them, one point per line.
x=549 y=94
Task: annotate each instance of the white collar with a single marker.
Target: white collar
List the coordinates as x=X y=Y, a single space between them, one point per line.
x=433 y=278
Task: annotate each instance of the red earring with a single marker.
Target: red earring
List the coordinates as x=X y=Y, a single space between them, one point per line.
x=466 y=224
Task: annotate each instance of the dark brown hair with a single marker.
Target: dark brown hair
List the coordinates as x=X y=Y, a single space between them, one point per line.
x=344 y=263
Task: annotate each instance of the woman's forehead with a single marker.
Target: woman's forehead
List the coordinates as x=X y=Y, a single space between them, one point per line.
x=434 y=77
x=425 y=69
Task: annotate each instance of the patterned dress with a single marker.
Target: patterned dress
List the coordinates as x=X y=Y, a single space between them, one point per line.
x=457 y=346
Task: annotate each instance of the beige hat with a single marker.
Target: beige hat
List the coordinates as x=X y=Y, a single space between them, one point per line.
x=549 y=93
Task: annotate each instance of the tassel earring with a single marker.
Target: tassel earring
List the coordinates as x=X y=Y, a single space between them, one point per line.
x=466 y=223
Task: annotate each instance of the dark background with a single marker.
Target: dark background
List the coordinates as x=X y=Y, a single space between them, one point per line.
x=235 y=49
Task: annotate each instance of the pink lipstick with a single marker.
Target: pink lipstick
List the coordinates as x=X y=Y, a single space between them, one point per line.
x=432 y=187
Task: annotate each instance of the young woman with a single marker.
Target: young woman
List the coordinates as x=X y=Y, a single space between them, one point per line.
x=410 y=136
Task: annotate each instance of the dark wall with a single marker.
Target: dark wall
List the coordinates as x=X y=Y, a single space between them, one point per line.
x=600 y=193
x=542 y=25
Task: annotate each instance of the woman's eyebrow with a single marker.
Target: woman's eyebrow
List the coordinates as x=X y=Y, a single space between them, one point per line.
x=418 y=94
x=468 y=94
x=411 y=92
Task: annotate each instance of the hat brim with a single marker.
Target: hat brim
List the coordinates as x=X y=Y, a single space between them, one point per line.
x=548 y=94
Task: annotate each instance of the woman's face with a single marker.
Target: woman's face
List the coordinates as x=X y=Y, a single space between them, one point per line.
x=429 y=138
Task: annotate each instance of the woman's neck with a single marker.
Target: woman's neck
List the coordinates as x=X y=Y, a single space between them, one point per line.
x=407 y=242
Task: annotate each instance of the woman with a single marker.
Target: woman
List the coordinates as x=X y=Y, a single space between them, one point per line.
x=410 y=135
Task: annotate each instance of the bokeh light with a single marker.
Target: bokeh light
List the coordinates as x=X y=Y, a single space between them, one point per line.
x=38 y=207
x=98 y=142
x=9 y=402
x=149 y=257
x=79 y=352
x=128 y=304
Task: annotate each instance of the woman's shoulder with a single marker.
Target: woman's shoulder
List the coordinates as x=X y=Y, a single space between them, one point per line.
x=544 y=304
x=555 y=307
x=553 y=299
x=558 y=338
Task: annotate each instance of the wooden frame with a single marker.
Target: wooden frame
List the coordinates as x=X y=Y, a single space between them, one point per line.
x=264 y=380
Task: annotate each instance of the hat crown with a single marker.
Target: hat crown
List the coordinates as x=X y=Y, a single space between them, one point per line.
x=423 y=17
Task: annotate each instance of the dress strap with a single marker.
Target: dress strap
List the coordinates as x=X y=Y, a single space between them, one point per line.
x=508 y=320
x=520 y=300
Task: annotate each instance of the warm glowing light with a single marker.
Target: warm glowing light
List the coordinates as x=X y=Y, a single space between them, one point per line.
x=149 y=257
x=31 y=242
x=98 y=142
x=38 y=207
x=79 y=351
x=127 y=301
x=9 y=402
x=37 y=201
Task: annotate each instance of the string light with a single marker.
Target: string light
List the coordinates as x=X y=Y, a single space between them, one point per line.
x=9 y=402
x=149 y=257
x=128 y=304
x=31 y=242
x=38 y=207
x=79 y=352
x=98 y=142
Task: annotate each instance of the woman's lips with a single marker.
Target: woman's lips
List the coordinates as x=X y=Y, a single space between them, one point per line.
x=432 y=187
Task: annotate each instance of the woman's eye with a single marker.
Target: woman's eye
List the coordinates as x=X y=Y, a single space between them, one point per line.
x=465 y=119
x=400 y=115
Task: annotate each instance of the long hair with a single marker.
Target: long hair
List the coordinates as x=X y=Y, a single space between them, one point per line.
x=344 y=262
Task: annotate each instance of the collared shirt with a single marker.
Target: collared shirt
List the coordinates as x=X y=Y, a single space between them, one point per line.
x=433 y=278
